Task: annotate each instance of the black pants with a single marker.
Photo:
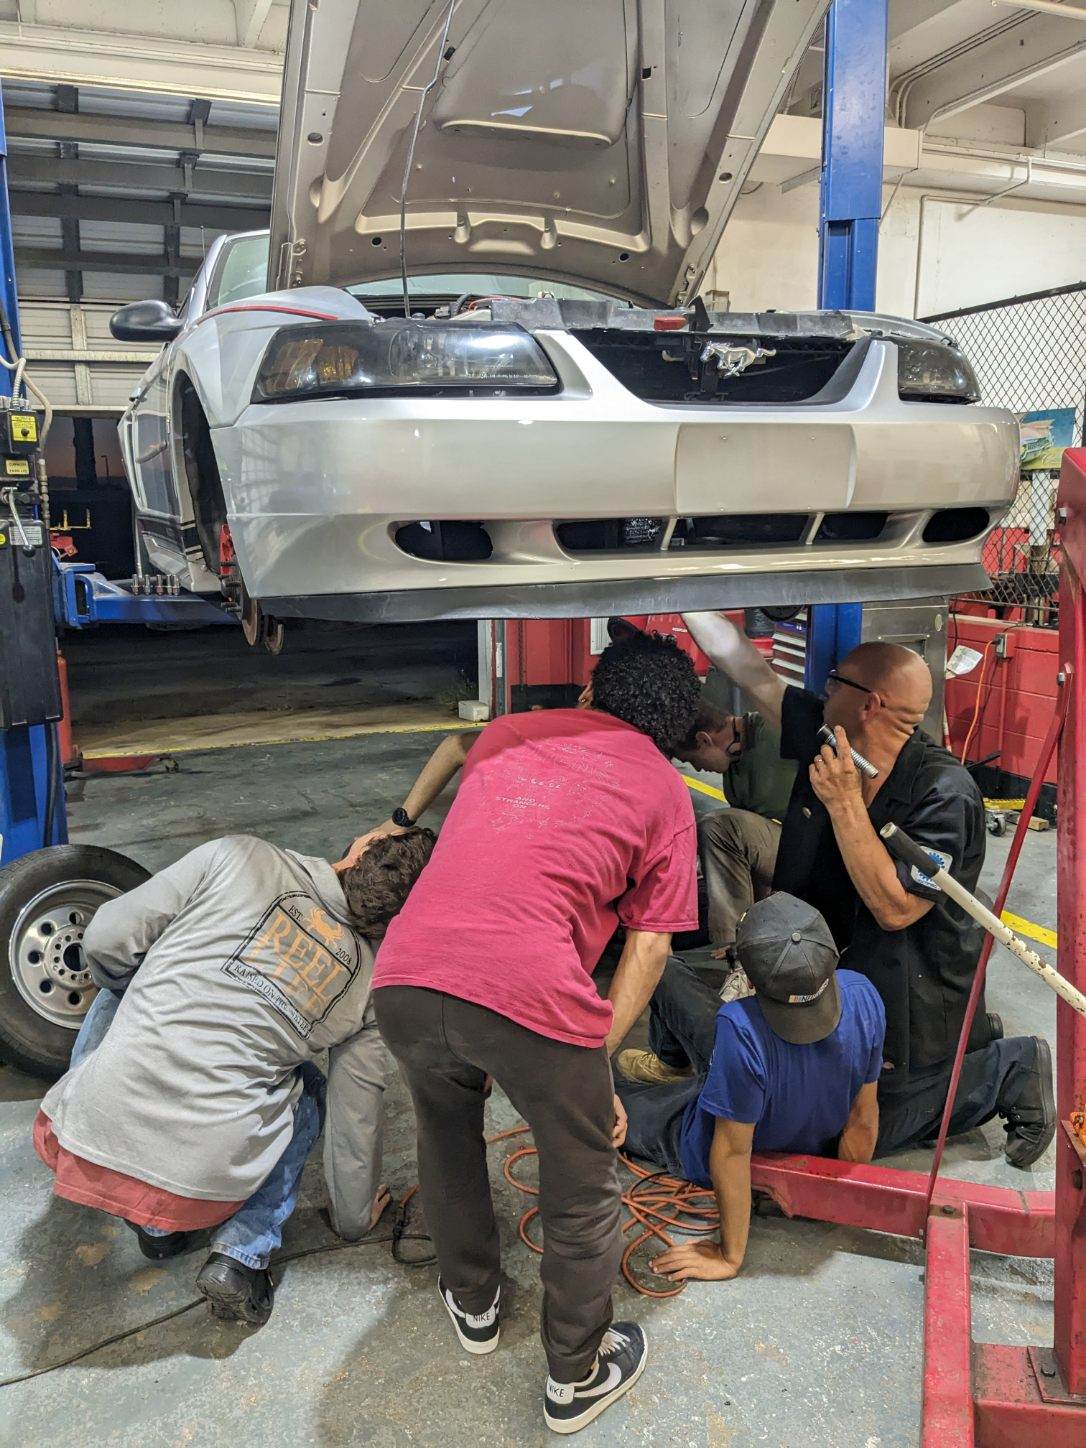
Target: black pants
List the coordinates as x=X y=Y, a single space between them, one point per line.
x=446 y=1048
x=682 y=1028
x=910 y=1111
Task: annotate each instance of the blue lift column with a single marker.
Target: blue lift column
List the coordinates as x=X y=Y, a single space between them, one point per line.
x=32 y=810
x=854 y=116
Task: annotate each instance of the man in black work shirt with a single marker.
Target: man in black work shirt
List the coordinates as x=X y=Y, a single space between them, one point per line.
x=918 y=949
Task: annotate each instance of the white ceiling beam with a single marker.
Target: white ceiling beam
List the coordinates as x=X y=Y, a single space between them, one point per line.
x=251 y=15
x=1053 y=123
x=71 y=56
x=908 y=15
x=1067 y=8
x=998 y=63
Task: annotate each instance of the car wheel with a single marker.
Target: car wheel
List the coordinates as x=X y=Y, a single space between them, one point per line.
x=47 y=900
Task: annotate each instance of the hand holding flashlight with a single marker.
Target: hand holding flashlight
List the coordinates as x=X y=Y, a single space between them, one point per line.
x=866 y=768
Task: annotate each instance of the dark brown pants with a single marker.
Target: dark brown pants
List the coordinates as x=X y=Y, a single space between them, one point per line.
x=446 y=1048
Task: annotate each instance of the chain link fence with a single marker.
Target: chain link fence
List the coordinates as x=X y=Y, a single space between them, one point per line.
x=1029 y=354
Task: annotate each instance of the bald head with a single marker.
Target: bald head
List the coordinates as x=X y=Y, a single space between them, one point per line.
x=899 y=676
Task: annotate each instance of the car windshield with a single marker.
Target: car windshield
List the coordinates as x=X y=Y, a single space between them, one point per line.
x=242 y=272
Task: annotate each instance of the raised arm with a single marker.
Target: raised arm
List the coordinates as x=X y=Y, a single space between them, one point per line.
x=447 y=759
x=734 y=654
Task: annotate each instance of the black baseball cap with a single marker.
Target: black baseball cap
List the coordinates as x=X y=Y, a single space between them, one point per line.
x=786 y=949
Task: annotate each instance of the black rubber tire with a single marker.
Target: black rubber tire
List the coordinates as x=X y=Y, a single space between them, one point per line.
x=28 y=1040
x=202 y=474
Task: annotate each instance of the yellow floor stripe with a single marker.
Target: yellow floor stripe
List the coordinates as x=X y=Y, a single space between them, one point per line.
x=1017 y=923
x=1040 y=933
x=297 y=731
x=709 y=789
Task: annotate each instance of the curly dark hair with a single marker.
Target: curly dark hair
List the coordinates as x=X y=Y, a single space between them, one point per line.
x=647 y=680
x=377 y=885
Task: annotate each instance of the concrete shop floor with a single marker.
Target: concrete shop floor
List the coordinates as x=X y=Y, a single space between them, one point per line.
x=817 y=1343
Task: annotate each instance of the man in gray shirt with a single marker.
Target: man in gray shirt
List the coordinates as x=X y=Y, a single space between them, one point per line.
x=195 y=1094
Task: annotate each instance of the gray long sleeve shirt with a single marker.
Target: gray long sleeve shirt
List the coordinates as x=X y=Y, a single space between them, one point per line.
x=238 y=963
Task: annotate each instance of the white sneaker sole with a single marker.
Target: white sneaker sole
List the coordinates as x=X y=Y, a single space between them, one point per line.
x=574 y=1425
x=477 y=1349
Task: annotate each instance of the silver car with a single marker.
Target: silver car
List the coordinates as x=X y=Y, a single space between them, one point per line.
x=546 y=420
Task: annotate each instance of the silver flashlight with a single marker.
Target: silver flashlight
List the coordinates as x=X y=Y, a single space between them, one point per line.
x=865 y=766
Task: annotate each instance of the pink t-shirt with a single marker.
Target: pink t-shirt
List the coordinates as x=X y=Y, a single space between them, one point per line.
x=566 y=822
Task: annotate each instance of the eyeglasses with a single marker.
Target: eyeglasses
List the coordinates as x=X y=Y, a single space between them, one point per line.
x=833 y=677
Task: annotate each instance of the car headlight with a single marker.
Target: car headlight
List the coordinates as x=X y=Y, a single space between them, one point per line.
x=402 y=356
x=935 y=372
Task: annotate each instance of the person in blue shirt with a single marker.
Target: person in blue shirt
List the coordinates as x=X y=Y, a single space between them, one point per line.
x=792 y=1068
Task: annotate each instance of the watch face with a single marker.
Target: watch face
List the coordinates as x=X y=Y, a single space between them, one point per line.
x=402 y=818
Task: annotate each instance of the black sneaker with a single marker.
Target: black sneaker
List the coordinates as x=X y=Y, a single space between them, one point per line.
x=568 y=1407
x=478 y=1331
x=995 y=1026
x=236 y=1293
x=158 y=1248
x=1030 y=1116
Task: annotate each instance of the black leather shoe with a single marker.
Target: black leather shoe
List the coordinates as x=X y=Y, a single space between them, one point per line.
x=236 y=1293
x=172 y=1245
x=1030 y=1115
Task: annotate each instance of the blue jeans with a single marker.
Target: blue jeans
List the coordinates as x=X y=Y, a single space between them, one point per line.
x=682 y=1030
x=255 y=1230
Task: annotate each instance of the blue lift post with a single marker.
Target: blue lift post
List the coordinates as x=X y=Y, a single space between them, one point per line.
x=854 y=117
x=29 y=766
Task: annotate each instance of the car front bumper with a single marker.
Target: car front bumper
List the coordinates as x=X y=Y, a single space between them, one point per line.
x=316 y=489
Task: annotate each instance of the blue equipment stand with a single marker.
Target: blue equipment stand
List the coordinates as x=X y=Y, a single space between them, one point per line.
x=31 y=777
x=854 y=117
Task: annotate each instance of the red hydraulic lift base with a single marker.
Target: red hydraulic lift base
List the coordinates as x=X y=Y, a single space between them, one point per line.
x=986 y=1395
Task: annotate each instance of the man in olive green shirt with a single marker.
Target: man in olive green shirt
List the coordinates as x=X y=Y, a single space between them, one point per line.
x=738 y=845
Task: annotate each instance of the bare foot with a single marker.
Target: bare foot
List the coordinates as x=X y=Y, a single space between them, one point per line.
x=381 y=1201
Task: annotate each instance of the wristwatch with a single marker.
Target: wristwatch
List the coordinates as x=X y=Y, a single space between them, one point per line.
x=402 y=818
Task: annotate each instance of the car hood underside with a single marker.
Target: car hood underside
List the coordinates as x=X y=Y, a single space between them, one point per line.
x=601 y=143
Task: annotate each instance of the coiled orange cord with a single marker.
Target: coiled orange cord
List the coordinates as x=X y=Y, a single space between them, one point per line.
x=654 y=1200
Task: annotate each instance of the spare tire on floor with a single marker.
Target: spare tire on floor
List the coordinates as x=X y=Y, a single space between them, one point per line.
x=47 y=899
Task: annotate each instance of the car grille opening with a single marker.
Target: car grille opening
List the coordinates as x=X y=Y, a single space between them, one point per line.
x=956 y=525
x=604 y=535
x=851 y=527
x=666 y=367
x=445 y=541
x=743 y=530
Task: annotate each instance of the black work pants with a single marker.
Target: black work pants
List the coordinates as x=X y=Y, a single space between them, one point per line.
x=446 y=1048
x=910 y=1110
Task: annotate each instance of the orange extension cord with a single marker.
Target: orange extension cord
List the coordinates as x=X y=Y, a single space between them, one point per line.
x=654 y=1200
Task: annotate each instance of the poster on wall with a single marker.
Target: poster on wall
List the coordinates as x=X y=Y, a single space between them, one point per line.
x=1043 y=436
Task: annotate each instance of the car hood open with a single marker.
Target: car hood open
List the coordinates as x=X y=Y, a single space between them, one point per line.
x=595 y=142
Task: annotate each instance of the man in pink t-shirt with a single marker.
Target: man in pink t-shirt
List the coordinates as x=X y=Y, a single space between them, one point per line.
x=567 y=823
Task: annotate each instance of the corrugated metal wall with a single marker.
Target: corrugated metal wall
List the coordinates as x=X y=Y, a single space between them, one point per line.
x=76 y=362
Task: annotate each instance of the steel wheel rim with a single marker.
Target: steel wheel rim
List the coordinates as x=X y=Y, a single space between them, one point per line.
x=43 y=951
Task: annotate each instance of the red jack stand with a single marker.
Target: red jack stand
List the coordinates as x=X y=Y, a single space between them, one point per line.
x=984 y=1395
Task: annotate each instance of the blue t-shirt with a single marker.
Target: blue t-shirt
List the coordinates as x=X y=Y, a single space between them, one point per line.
x=799 y=1097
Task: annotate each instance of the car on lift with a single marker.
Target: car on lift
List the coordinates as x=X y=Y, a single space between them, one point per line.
x=545 y=419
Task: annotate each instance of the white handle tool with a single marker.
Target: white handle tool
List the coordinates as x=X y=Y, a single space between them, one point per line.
x=916 y=856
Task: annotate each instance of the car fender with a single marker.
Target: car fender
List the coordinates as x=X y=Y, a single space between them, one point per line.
x=221 y=351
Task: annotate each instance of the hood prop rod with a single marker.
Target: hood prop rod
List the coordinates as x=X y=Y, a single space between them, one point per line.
x=411 y=153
